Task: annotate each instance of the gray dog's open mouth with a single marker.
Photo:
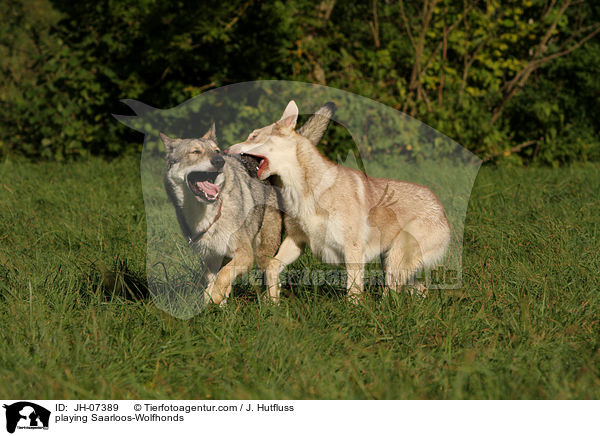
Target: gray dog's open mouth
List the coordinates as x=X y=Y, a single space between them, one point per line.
x=202 y=185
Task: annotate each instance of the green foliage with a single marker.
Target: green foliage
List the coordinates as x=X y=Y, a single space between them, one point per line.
x=453 y=65
x=561 y=107
x=491 y=75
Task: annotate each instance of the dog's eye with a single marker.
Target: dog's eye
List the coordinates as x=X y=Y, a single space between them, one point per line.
x=197 y=152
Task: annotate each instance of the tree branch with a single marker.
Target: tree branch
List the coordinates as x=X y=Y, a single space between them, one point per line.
x=517 y=82
x=406 y=24
x=375 y=25
x=541 y=48
x=535 y=64
x=443 y=64
x=440 y=44
x=468 y=64
x=515 y=149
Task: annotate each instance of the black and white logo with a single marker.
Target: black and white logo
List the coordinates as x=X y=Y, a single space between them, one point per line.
x=26 y=415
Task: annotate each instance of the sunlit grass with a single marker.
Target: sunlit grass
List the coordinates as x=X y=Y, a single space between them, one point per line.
x=525 y=324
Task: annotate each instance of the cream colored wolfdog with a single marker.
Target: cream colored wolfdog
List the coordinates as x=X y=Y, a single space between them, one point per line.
x=344 y=215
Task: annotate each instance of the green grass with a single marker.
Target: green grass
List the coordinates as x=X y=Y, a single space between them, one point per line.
x=525 y=324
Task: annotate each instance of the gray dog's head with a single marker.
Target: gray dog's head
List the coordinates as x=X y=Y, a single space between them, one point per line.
x=194 y=166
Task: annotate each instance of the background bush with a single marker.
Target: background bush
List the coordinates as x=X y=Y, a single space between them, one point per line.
x=515 y=79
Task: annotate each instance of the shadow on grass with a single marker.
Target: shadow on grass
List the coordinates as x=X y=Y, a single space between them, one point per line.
x=120 y=281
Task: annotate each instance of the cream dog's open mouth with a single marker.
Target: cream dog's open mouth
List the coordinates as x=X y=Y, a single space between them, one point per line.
x=262 y=163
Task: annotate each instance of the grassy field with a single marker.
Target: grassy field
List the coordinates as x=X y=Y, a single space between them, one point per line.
x=525 y=324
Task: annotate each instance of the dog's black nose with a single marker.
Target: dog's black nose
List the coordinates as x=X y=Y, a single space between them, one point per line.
x=217 y=161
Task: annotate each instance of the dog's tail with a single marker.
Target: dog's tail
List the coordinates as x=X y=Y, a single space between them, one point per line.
x=315 y=127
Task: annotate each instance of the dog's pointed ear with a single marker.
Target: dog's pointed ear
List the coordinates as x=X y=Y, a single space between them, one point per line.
x=170 y=143
x=211 y=134
x=315 y=127
x=290 y=115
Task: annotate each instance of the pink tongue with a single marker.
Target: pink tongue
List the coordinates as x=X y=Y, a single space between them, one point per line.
x=209 y=189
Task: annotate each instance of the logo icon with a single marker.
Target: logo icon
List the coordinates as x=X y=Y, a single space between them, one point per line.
x=26 y=415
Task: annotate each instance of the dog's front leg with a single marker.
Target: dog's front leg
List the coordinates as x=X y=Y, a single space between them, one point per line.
x=212 y=265
x=354 y=258
x=288 y=252
x=242 y=261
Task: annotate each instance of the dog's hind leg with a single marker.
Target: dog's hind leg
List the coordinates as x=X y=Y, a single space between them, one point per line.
x=355 y=269
x=401 y=262
x=270 y=240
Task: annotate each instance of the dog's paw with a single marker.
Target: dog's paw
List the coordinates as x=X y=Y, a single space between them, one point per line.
x=418 y=290
x=270 y=299
x=216 y=295
x=208 y=295
x=355 y=298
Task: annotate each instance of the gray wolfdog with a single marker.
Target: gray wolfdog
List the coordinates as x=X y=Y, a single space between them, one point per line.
x=222 y=211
